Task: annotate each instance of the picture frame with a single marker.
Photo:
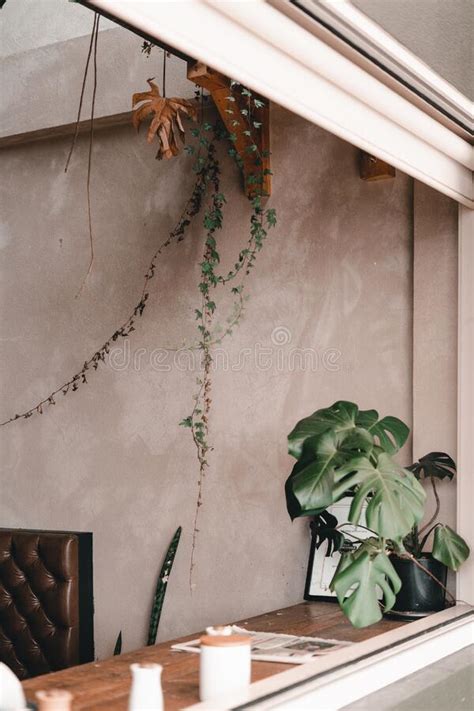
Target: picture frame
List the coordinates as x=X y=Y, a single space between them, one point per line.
x=321 y=567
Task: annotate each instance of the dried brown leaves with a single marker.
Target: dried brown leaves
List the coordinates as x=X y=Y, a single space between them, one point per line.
x=166 y=123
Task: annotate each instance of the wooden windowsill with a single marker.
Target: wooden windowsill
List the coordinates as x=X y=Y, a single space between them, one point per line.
x=106 y=684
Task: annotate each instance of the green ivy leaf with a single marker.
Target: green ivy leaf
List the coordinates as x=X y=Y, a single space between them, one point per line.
x=271 y=217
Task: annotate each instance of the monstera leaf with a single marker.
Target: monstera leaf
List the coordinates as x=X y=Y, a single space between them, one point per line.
x=390 y=432
x=449 y=548
x=339 y=417
x=323 y=529
x=343 y=416
x=310 y=486
x=395 y=498
x=435 y=464
x=357 y=582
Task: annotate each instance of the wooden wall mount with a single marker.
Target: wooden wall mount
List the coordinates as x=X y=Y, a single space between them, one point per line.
x=372 y=168
x=219 y=88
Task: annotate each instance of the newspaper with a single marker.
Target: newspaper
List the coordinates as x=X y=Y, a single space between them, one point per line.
x=283 y=648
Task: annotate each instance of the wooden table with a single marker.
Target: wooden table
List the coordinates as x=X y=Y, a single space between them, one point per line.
x=106 y=684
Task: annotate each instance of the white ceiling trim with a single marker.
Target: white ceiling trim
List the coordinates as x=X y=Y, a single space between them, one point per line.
x=368 y=35
x=257 y=45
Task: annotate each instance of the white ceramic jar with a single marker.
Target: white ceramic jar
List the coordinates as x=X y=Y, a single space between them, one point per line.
x=146 y=693
x=225 y=665
x=54 y=700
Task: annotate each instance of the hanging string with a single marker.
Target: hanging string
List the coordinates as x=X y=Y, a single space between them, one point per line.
x=95 y=32
x=164 y=74
x=84 y=81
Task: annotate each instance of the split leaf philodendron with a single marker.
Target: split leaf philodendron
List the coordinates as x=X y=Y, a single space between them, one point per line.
x=342 y=451
x=368 y=569
x=449 y=547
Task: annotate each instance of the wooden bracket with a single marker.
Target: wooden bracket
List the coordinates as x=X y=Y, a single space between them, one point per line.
x=219 y=87
x=372 y=168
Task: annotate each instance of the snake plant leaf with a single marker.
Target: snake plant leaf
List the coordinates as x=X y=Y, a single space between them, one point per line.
x=161 y=585
x=435 y=464
x=449 y=548
x=357 y=581
x=339 y=417
x=310 y=486
x=395 y=498
x=118 y=644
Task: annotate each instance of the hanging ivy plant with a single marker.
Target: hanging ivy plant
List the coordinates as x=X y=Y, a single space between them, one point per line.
x=166 y=126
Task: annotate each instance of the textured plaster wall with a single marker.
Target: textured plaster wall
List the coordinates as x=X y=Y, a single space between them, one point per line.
x=29 y=24
x=435 y=334
x=335 y=278
x=41 y=87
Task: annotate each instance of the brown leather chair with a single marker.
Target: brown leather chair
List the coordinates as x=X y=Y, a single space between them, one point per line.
x=46 y=605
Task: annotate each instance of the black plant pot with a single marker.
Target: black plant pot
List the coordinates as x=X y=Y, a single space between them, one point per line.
x=419 y=592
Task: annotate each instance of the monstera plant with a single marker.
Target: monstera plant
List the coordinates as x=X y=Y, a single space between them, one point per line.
x=342 y=451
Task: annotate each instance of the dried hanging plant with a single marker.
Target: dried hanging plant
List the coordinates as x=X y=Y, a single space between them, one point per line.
x=166 y=124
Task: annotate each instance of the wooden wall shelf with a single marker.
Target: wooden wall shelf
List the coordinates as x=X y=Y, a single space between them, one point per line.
x=219 y=87
x=372 y=168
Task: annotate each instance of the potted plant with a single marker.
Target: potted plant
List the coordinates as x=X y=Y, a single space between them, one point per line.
x=343 y=451
x=423 y=574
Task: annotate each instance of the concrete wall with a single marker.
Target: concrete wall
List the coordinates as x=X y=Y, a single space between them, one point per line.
x=336 y=278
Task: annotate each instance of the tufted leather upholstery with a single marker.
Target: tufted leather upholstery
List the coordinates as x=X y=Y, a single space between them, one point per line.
x=45 y=606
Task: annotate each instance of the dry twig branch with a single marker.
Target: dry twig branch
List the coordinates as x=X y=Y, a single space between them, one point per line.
x=95 y=33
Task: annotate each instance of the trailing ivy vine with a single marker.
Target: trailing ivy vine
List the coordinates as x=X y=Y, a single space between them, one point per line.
x=192 y=208
x=261 y=220
x=208 y=171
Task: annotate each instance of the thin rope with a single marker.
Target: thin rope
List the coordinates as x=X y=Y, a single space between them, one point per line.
x=164 y=74
x=84 y=81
